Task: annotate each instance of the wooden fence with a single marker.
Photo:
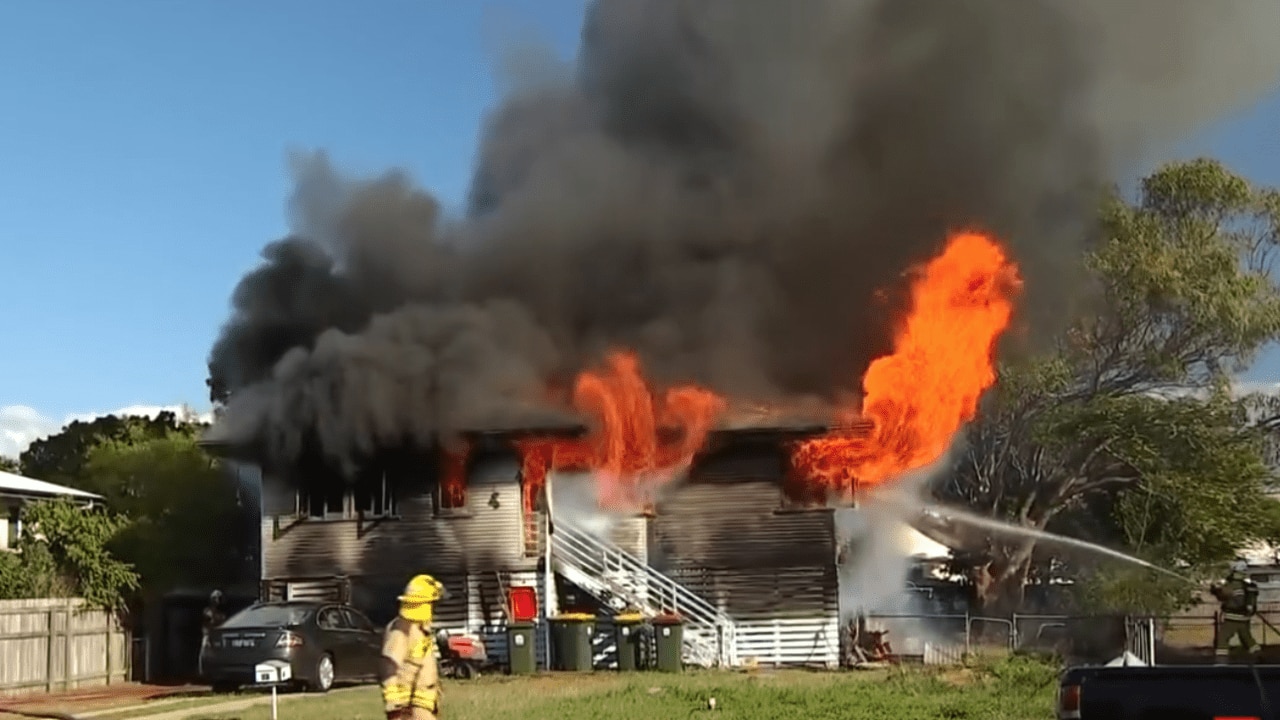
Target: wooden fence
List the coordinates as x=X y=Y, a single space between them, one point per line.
x=57 y=644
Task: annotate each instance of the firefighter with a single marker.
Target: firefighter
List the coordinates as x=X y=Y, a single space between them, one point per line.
x=214 y=613
x=410 y=676
x=1238 y=596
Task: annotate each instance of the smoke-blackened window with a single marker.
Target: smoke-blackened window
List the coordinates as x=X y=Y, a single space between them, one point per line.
x=322 y=491
x=324 y=500
x=374 y=494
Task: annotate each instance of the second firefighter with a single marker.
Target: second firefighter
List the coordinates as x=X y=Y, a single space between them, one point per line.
x=1238 y=603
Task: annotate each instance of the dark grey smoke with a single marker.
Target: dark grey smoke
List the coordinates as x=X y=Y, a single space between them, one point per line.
x=723 y=186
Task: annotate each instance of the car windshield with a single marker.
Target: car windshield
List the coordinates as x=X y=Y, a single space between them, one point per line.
x=269 y=616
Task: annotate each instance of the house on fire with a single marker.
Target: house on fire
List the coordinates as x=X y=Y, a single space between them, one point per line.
x=752 y=571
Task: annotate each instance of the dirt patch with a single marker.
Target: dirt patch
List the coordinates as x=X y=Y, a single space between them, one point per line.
x=959 y=677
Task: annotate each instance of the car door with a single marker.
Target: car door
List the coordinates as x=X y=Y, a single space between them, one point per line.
x=337 y=638
x=367 y=639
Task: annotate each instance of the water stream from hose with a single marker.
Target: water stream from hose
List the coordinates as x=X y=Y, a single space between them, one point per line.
x=948 y=515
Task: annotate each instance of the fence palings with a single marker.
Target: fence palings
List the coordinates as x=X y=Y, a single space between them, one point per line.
x=59 y=644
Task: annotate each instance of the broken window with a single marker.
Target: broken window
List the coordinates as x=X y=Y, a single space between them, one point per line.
x=451 y=487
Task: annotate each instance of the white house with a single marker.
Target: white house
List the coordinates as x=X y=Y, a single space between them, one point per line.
x=16 y=491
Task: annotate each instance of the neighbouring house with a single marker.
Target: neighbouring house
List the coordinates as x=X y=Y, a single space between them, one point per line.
x=17 y=491
x=752 y=571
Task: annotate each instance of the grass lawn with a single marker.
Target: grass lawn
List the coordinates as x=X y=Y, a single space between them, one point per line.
x=1013 y=689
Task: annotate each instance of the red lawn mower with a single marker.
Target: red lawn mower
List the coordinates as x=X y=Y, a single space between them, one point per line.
x=461 y=656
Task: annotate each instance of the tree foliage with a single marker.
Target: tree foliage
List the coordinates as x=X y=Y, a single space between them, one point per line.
x=60 y=458
x=178 y=514
x=63 y=552
x=1127 y=433
x=182 y=508
x=8 y=464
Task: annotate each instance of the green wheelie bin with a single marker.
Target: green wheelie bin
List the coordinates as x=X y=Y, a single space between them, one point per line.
x=629 y=640
x=571 y=635
x=668 y=636
x=522 y=648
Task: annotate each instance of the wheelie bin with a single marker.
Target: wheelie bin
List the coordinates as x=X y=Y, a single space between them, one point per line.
x=668 y=631
x=522 y=648
x=571 y=635
x=629 y=639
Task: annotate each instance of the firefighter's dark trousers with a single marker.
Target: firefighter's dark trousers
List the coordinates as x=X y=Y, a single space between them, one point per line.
x=1233 y=627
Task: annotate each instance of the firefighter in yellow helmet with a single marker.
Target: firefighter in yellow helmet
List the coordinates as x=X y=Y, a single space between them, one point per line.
x=410 y=676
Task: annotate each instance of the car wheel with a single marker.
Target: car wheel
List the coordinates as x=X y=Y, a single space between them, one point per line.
x=324 y=675
x=466 y=671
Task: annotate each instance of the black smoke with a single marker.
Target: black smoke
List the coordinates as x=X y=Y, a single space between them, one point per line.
x=724 y=187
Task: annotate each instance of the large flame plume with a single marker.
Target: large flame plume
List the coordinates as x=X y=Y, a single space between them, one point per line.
x=915 y=398
x=918 y=397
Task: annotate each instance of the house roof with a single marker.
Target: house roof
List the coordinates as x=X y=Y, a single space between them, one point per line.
x=11 y=484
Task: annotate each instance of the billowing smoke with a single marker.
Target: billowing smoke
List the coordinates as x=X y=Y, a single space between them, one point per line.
x=724 y=187
x=574 y=499
x=878 y=544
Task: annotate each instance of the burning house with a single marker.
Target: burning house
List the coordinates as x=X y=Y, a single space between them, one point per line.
x=750 y=563
x=732 y=528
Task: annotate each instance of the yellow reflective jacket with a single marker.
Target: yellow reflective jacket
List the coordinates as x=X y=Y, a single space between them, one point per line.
x=410 y=676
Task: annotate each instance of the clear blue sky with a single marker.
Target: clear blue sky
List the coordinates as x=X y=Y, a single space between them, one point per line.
x=142 y=166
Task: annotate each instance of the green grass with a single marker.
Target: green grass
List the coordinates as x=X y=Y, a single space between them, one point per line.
x=1012 y=689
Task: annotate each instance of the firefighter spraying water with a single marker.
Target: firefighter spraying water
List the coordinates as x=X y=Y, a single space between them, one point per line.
x=1238 y=596
x=410 y=676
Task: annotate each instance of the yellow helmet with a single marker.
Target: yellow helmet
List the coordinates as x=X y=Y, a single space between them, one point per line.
x=419 y=596
x=423 y=589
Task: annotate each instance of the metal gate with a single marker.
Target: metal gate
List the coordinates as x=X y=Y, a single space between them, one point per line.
x=1140 y=638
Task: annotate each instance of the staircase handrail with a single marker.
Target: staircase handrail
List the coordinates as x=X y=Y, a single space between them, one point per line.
x=601 y=558
x=585 y=547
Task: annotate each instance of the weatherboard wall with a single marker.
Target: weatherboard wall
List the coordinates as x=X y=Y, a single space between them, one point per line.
x=485 y=535
x=728 y=535
x=731 y=514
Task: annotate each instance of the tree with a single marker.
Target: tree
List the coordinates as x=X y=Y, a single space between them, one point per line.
x=184 y=520
x=60 y=458
x=64 y=552
x=1126 y=432
x=183 y=508
x=8 y=464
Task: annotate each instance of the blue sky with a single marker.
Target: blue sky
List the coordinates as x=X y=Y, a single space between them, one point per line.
x=142 y=147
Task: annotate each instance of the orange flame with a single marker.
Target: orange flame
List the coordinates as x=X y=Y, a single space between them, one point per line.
x=918 y=397
x=627 y=448
x=453 y=475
